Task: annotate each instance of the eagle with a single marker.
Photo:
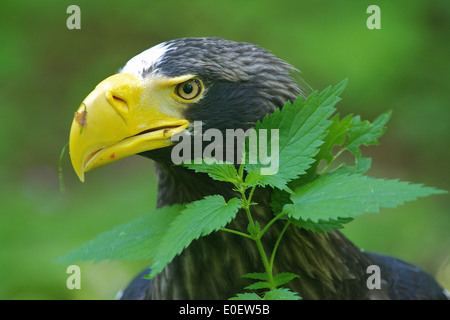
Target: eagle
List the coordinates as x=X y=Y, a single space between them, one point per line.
x=223 y=84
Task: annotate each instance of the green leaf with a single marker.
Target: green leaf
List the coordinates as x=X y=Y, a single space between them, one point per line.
x=278 y=199
x=337 y=135
x=258 y=285
x=279 y=280
x=341 y=195
x=366 y=133
x=254 y=230
x=246 y=296
x=281 y=294
x=198 y=219
x=218 y=170
x=255 y=178
x=321 y=225
x=283 y=278
x=256 y=276
x=362 y=165
x=137 y=239
x=302 y=127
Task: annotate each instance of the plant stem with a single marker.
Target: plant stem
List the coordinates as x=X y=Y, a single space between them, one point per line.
x=62 y=188
x=246 y=206
x=249 y=215
x=265 y=263
x=251 y=195
x=332 y=160
x=236 y=232
x=272 y=258
x=270 y=223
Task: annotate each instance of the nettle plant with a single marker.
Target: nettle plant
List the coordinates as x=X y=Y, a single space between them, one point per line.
x=303 y=195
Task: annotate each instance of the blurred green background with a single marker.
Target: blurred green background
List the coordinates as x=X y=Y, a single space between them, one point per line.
x=47 y=70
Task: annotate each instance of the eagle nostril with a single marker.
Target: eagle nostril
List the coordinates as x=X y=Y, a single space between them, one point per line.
x=119 y=99
x=117 y=102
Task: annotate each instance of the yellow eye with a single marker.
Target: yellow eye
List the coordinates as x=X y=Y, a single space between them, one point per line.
x=189 y=90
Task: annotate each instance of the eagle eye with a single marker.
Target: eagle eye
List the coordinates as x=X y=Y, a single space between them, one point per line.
x=189 y=90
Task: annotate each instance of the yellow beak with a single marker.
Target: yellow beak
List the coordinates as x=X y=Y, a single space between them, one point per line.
x=121 y=117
